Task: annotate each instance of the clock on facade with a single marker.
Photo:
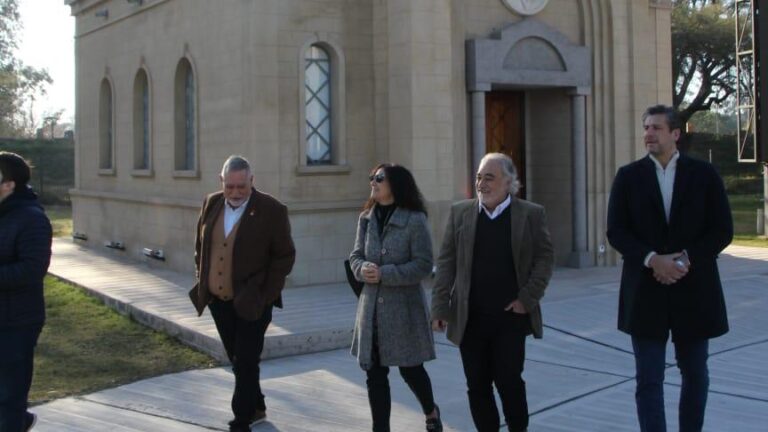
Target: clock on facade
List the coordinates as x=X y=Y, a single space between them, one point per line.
x=526 y=7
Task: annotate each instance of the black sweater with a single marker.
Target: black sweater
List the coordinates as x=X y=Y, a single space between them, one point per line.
x=494 y=280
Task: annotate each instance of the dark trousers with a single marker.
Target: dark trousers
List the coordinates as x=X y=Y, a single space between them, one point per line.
x=649 y=394
x=18 y=348
x=379 y=396
x=243 y=340
x=493 y=352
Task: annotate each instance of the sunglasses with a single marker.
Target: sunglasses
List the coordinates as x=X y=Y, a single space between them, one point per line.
x=378 y=177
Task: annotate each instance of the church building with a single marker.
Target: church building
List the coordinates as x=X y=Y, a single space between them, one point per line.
x=316 y=92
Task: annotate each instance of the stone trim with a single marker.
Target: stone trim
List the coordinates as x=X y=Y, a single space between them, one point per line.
x=293 y=207
x=306 y=170
x=142 y=173
x=186 y=174
x=81 y=9
x=552 y=60
x=661 y=4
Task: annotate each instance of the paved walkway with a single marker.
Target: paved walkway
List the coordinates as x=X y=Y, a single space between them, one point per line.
x=580 y=376
x=315 y=318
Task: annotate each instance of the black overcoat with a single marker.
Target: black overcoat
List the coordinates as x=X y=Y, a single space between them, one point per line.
x=700 y=223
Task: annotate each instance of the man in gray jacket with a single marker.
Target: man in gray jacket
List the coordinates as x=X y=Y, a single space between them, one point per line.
x=494 y=264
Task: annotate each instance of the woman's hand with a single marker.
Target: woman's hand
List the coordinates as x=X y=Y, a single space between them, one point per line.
x=371 y=273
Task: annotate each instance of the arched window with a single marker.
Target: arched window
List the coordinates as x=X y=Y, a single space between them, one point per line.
x=106 y=126
x=141 y=122
x=185 y=120
x=318 y=106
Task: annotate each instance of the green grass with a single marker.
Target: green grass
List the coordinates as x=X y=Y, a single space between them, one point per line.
x=61 y=220
x=744 y=211
x=745 y=202
x=85 y=347
x=750 y=240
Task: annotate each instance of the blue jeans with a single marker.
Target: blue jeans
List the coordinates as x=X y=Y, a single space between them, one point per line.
x=18 y=348
x=649 y=395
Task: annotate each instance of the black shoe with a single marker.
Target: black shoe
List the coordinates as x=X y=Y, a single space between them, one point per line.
x=239 y=426
x=29 y=421
x=435 y=424
x=260 y=416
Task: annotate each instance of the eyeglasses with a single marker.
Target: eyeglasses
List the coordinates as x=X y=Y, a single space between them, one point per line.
x=378 y=177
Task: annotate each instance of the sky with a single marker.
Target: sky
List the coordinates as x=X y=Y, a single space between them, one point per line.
x=47 y=41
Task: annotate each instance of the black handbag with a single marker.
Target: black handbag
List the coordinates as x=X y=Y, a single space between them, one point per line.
x=356 y=285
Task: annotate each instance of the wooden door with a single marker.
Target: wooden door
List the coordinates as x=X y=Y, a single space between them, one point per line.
x=505 y=130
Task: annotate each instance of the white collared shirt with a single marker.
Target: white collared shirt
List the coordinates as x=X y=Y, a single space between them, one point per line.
x=666 y=178
x=497 y=211
x=232 y=216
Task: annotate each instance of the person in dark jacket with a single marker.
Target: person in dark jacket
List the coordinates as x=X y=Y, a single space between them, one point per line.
x=668 y=216
x=25 y=252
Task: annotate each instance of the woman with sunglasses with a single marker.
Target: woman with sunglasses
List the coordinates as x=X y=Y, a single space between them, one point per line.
x=392 y=254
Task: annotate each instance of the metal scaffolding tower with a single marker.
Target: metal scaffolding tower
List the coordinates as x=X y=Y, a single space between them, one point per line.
x=746 y=80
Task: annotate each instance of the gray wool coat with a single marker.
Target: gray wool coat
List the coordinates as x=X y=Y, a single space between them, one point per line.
x=404 y=254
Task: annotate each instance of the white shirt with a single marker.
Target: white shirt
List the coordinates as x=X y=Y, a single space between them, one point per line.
x=666 y=178
x=497 y=211
x=231 y=216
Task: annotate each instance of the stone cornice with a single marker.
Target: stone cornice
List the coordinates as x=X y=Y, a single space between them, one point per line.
x=661 y=4
x=295 y=207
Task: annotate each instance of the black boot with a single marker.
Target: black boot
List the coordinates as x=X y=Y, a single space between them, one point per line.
x=435 y=424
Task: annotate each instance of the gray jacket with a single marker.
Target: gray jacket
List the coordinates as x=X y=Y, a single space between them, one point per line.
x=404 y=254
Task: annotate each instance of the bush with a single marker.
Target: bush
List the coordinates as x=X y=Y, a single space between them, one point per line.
x=743 y=185
x=53 y=161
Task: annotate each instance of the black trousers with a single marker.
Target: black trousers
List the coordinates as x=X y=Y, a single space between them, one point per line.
x=379 y=396
x=16 y=362
x=493 y=352
x=243 y=340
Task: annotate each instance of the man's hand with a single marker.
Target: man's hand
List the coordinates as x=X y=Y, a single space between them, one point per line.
x=670 y=268
x=516 y=307
x=371 y=273
x=439 y=325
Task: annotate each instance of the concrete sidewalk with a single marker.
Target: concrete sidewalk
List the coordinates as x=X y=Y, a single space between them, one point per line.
x=315 y=318
x=580 y=376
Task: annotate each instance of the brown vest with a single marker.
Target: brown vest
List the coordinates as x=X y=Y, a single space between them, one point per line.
x=220 y=269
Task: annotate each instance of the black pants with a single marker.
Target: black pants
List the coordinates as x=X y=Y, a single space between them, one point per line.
x=378 y=390
x=493 y=352
x=243 y=340
x=18 y=348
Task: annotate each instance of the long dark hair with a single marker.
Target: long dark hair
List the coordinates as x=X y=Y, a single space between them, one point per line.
x=403 y=186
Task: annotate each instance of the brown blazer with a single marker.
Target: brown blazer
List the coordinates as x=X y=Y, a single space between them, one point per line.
x=262 y=257
x=532 y=251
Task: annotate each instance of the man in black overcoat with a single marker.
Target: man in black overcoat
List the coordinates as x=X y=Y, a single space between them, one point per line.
x=669 y=217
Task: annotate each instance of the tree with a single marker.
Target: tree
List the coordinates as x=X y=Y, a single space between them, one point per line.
x=703 y=54
x=19 y=84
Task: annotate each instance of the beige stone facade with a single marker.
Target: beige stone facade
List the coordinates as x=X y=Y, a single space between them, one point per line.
x=400 y=93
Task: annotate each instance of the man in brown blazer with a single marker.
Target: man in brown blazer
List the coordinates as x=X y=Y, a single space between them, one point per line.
x=243 y=252
x=494 y=264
